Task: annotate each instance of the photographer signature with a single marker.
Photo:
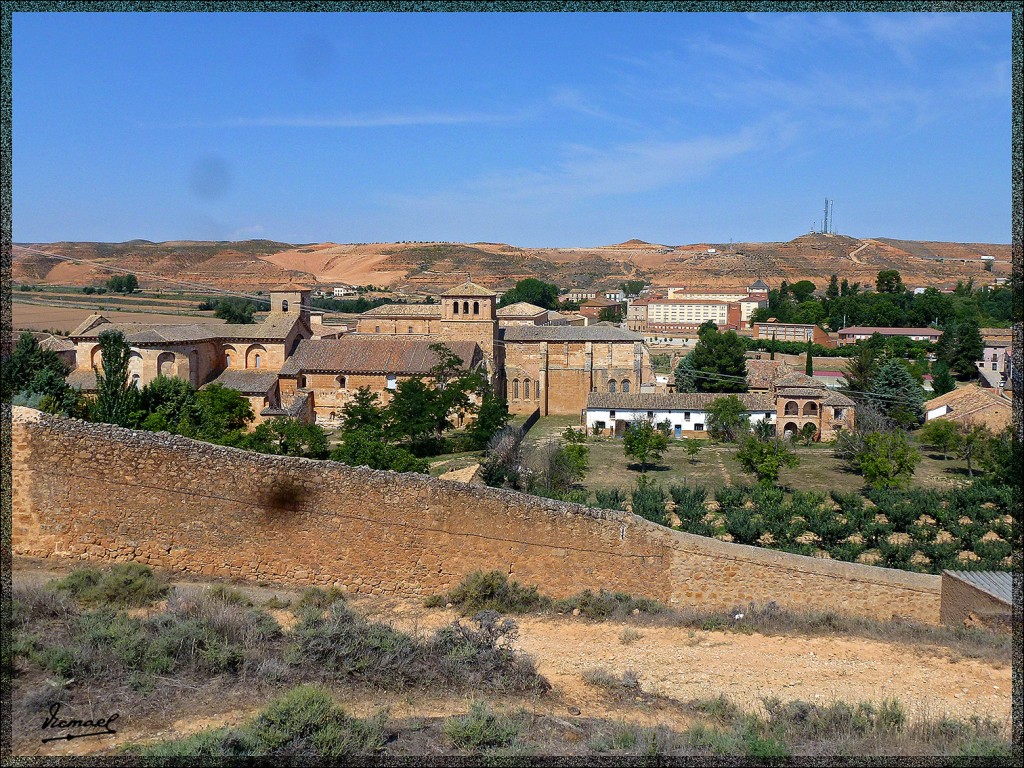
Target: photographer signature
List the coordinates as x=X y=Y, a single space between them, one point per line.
x=54 y=721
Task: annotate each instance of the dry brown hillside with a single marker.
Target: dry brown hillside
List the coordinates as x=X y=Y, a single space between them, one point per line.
x=431 y=266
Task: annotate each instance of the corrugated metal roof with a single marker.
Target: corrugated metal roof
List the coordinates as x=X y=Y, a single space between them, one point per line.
x=999 y=584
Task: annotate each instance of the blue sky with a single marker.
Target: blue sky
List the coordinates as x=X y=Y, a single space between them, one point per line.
x=532 y=129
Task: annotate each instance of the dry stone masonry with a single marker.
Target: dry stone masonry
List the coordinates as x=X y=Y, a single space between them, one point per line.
x=99 y=492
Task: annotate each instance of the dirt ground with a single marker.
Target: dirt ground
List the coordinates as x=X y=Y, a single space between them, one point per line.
x=38 y=317
x=674 y=665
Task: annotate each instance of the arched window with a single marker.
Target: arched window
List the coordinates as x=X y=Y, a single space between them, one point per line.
x=611 y=385
x=810 y=409
x=455 y=308
x=410 y=329
x=526 y=390
x=515 y=388
x=476 y=310
x=342 y=382
x=284 y=305
x=256 y=360
x=792 y=409
x=625 y=385
x=227 y=359
x=465 y=307
x=165 y=364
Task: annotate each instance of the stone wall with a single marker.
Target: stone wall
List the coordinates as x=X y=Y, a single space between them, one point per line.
x=95 y=491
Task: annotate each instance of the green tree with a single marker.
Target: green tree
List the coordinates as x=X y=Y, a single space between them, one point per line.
x=832 y=292
x=364 y=448
x=889 y=281
x=693 y=448
x=222 y=414
x=611 y=314
x=974 y=440
x=532 y=291
x=860 y=369
x=685 y=375
x=809 y=362
x=25 y=362
x=166 y=402
x=490 y=419
x=236 y=310
x=364 y=412
x=942 y=379
x=719 y=363
x=887 y=459
x=802 y=290
x=765 y=459
x=633 y=287
x=454 y=385
x=806 y=434
x=117 y=397
x=727 y=419
x=288 y=437
x=997 y=458
x=57 y=395
x=764 y=429
x=895 y=393
x=941 y=434
x=415 y=410
x=644 y=442
x=967 y=349
x=123 y=283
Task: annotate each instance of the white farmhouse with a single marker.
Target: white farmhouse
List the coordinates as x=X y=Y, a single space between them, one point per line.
x=686 y=412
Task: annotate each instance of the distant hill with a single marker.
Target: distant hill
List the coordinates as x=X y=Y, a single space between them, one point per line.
x=256 y=264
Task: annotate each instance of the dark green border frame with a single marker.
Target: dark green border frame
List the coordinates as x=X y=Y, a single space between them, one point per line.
x=6 y=234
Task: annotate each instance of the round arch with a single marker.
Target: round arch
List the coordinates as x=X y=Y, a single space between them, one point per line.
x=256 y=356
x=792 y=408
x=810 y=409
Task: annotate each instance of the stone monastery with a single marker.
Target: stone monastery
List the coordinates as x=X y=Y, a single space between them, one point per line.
x=291 y=364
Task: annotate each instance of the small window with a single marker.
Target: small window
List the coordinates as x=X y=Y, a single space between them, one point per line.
x=515 y=389
x=410 y=329
x=650 y=414
x=476 y=307
x=698 y=427
x=625 y=385
x=257 y=361
x=342 y=382
x=227 y=359
x=465 y=307
x=611 y=414
x=392 y=381
x=611 y=386
x=526 y=389
x=455 y=308
x=686 y=416
x=376 y=329
x=284 y=305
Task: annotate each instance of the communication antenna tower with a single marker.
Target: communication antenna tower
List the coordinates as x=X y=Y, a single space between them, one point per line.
x=824 y=219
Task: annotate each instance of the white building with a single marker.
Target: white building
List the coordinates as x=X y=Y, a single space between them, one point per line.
x=686 y=413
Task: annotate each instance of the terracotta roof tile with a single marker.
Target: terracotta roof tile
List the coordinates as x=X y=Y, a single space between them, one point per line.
x=373 y=354
x=568 y=333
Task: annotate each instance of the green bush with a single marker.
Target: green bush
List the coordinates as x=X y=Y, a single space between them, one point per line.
x=123 y=585
x=483 y=728
x=604 y=605
x=649 y=501
x=303 y=723
x=492 y=591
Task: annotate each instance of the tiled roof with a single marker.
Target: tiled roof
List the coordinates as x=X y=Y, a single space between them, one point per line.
x=275 y=327
x=762 y=373
x=84 y=380
x=972 y=403
x=404 y=310
x=831 y=397
x=680 y=401
x=469 y=289
x=521 y=309
x=870 y=329
x=57 y=344
x=373 y=354
x=246 y=381
x=967 y=396
x=999 y=584
x=568 y=333
x=797 y=379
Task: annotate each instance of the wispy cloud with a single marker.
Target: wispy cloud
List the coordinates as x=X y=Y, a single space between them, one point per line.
x=352 y=121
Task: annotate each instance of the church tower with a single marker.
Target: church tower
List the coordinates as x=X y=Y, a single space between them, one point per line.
x=469 y=313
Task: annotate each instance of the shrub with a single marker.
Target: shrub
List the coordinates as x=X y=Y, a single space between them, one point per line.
x=303 y=723
x=614 y=498
x=649 y=501
x=482 y=728
x=604 y=605
x=493 y=591
x=124 y=584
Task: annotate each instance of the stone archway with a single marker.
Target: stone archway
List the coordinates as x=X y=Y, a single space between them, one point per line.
x=790 y=429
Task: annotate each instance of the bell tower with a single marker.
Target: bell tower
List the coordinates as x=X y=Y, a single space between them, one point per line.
x=469 y=313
